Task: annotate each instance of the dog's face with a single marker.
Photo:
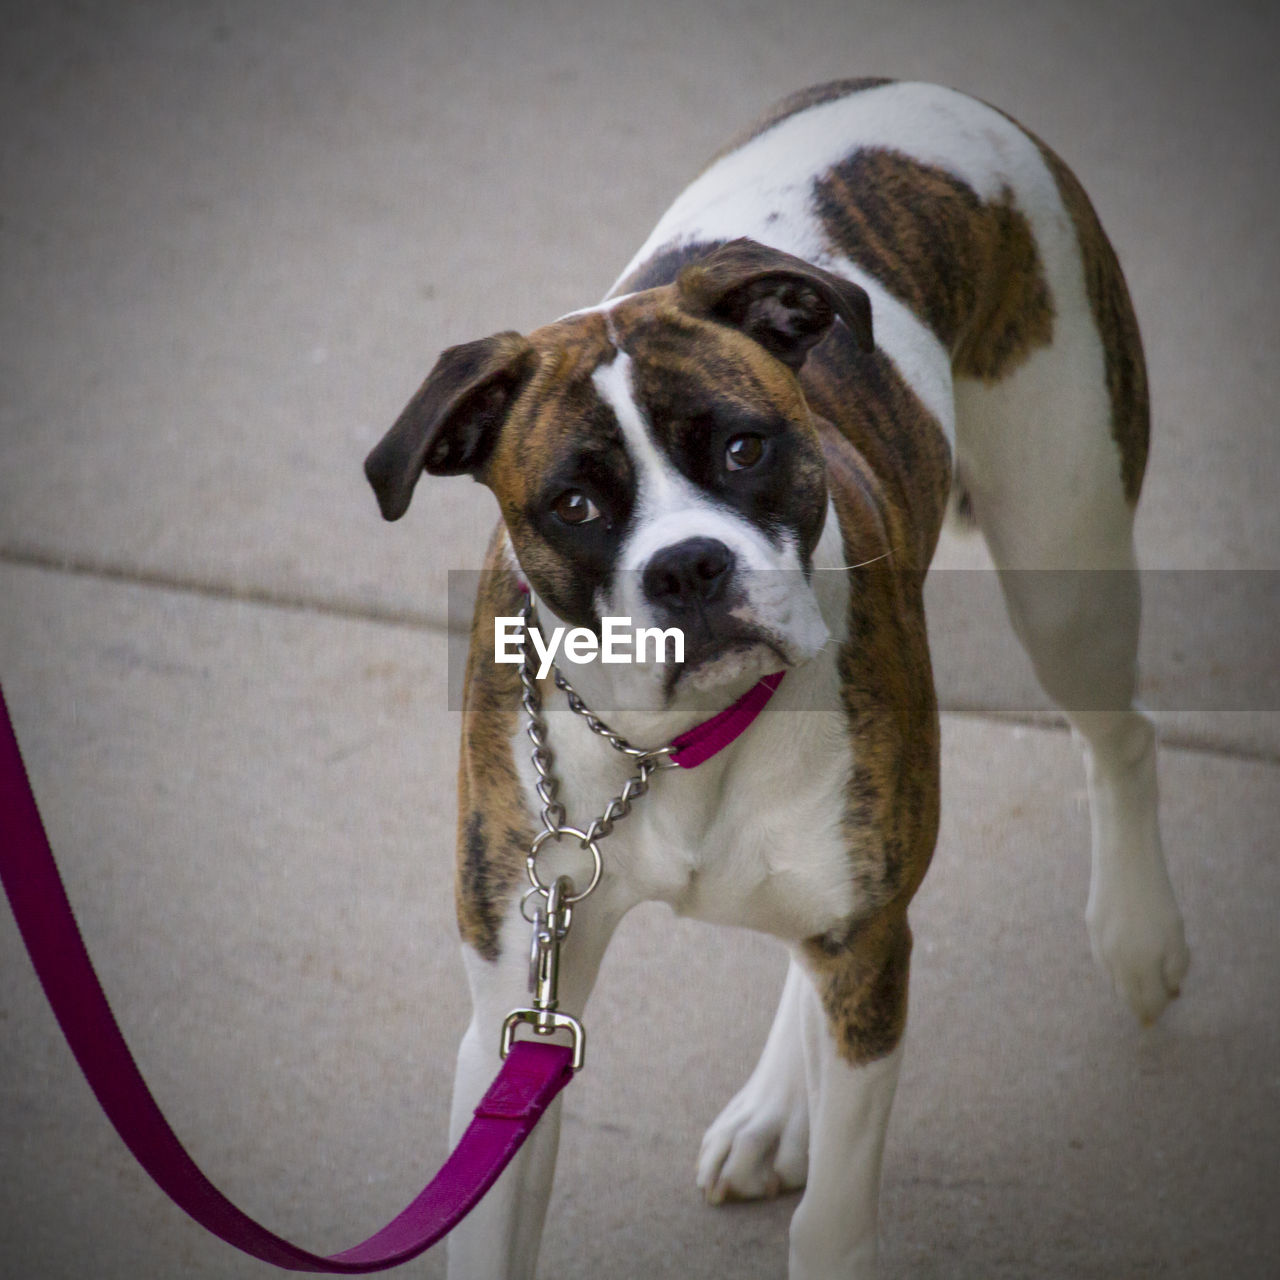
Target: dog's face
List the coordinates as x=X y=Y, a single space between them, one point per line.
x=655 y=460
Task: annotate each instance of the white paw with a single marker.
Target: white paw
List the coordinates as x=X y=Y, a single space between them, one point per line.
x=1138 y=940
x=757 y=1147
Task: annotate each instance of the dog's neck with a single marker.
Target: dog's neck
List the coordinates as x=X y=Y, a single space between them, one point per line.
x=635 y=701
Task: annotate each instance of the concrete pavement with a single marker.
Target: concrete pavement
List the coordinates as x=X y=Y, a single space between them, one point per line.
x=234 y=239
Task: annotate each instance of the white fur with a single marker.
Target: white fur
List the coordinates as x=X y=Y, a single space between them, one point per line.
x=1036 y=452
x=834 y=1230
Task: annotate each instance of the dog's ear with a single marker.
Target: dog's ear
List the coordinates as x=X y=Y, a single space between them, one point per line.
x=451 y=424
x=782 y=302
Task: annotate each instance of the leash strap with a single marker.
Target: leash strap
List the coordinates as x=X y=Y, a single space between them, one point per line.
x=531 y=1077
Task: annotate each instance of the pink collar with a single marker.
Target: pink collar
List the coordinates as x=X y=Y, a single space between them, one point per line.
x=704 y=740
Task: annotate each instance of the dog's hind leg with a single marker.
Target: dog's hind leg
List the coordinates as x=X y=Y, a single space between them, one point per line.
x=1051 y=502
x=500 y=1239
x=758 y=1146
x=1053 y=449
x=1080 y=628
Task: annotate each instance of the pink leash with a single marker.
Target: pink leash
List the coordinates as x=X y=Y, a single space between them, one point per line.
x=530 y=1078
x=532 y=1075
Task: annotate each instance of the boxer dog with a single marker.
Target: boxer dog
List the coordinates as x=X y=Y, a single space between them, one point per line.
x=884 y=301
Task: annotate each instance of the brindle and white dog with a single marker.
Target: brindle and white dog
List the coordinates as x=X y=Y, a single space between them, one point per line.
x=883 y=295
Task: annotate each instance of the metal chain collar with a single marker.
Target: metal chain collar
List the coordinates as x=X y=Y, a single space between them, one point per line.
x=553 y=914
x=554 y=819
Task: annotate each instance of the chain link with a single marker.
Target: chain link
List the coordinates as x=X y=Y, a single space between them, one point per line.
x=554 y=818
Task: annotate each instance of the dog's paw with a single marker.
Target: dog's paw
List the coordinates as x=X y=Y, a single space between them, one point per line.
x=757 y=1148
x=1139 y=942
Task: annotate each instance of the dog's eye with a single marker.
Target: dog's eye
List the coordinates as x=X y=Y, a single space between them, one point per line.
x=743 y=451
x=574 y=507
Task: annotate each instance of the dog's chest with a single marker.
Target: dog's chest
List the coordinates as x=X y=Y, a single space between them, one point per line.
x=753 y=838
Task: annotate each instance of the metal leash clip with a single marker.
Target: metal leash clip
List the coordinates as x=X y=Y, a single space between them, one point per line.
x=553 y=914
x=550 y=926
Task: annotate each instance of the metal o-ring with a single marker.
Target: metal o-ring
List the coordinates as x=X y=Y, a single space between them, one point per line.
x=531 y=862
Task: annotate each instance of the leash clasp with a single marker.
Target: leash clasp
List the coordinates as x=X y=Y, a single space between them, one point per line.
x=550 y=927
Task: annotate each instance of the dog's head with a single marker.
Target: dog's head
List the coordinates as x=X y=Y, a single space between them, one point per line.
x=654 y=459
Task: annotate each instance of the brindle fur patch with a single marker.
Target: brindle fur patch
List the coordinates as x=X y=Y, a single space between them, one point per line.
x=1112 y=309
x=893 y=437
x=969 y=269
x=494 y=830
x=889 y=470
x=558 y=417
x=862 y=982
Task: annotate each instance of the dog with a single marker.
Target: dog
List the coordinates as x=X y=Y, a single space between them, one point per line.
x=884 y=302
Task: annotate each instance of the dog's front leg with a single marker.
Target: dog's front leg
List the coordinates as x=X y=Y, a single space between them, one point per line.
x=853 y=1015
x=759 y=1144
x=499 y=1240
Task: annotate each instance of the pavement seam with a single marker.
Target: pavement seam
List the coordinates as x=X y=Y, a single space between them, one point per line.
x=1171 y=739
x=84 y=567
x=79 y=566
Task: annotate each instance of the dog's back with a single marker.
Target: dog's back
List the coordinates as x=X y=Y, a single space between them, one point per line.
x=992 y=284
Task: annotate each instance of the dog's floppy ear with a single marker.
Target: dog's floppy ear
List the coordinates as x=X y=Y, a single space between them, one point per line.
x=450 y=425
x=781 y=301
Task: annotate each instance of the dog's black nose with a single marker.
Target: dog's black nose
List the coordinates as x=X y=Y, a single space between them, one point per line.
x=688 y=574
